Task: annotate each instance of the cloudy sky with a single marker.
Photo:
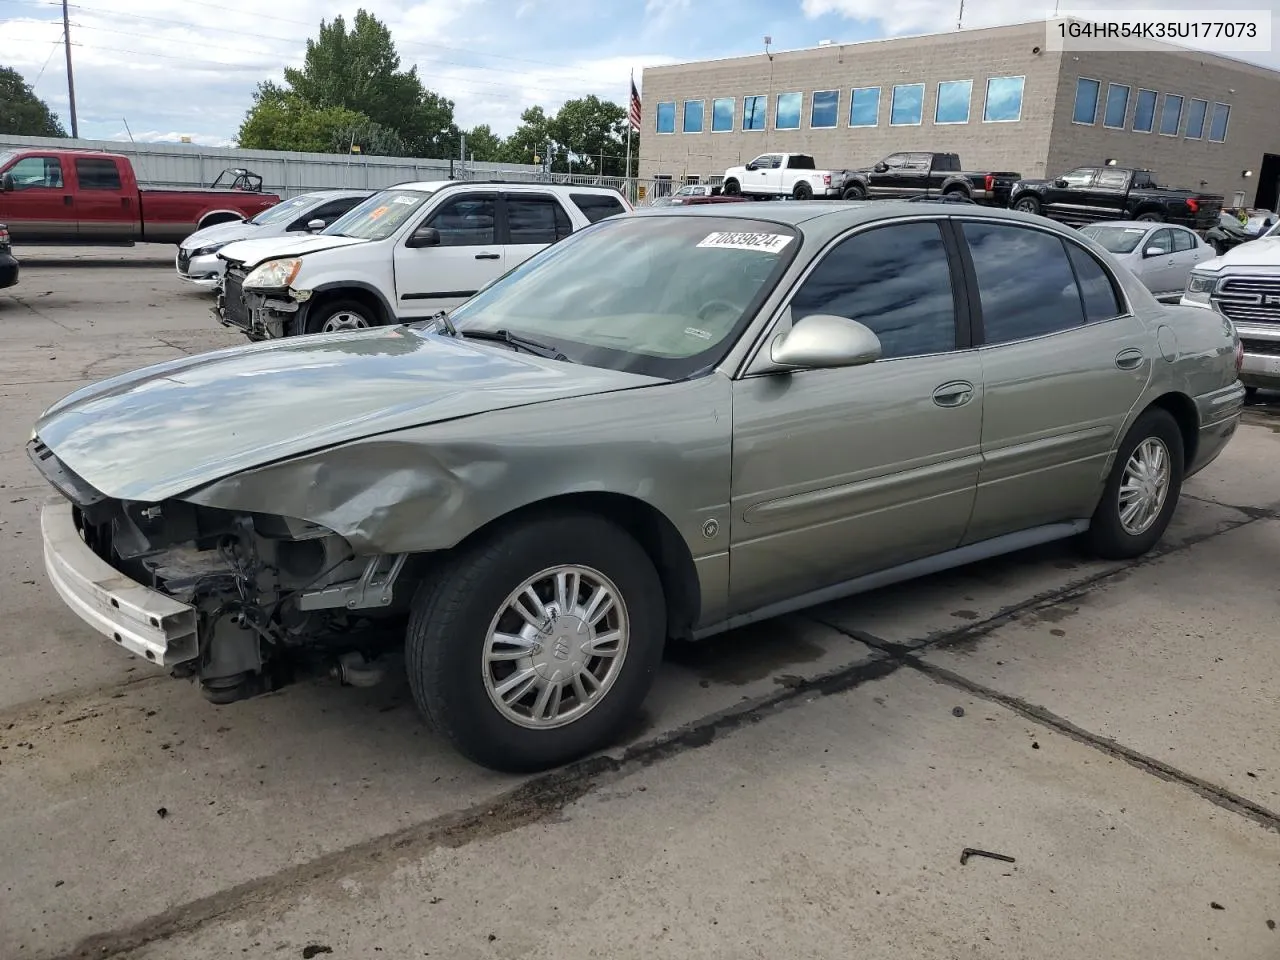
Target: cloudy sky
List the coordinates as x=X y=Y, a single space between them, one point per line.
x=188 y=67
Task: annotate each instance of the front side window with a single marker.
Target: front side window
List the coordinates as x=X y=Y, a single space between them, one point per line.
x=1161 y=242
x=1218 y=125
x=692 y=116
x=1197 y=111
x=788 y=115
x=1004 y=99
x=722 y=115
x=896 y=280
x=1086 y=110
x=953 y=101
x=1171 y=115
x=666 y=117
x=664 y=296
x=1117 y=106
x=1144 y=113
x=378 y=217
x=907 y=106
x=466 y=221
x=1079 y=178
x=864 y=107
x=97 y=174
x=753 y=112
x=535 y=219
x=36 y=172
x=1025 y=282
x=825 y=110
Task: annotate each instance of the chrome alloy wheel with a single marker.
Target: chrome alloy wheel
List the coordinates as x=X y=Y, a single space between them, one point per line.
x=555 y=647
x=1144 y=486
x=344 y=320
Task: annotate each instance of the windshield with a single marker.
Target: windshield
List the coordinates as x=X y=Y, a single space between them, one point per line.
x=5 y=158
x=1116 y=239
x=1274 y=231
x=662 y=296
x=284 y=210
x=378 y=217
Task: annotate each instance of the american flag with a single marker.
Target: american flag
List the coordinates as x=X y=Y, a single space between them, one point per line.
x=635 y=107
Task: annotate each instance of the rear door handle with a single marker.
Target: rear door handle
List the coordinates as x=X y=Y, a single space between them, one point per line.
x=67 y=200
x=954 y=394
x=1129 y=359
x=488 y=256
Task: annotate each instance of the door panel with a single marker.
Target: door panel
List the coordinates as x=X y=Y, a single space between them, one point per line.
x=469 y=255
x=41 y=207
x=104 y=211
x=1160 y=273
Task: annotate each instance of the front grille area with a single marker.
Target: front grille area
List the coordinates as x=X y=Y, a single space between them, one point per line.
x=233 y=298
x=184 y=260
x=1249 y=299
x=1267 y=348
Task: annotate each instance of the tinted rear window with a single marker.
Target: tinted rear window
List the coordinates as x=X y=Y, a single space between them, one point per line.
x=1025 y=282
x=96 y=174
x=597 y=206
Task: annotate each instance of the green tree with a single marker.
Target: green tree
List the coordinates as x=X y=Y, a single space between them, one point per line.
x=284 y=121
x=595 y=131
x=22 y=113
x=485 y=145
x=529 y=139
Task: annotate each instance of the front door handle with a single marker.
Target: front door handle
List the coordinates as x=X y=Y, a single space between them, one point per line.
x=67 y=200
x=1129 y=359
x=954 y=394
x=488 y=256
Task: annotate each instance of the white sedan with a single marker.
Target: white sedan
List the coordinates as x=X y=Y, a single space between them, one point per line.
x=1161 y=255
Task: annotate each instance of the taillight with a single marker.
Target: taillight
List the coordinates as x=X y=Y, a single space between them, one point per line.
x=1193 y=206
x=4 y=234
x=826 y=179
x=991 y=183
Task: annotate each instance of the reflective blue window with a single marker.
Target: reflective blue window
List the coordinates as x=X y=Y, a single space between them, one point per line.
x=753 y=112
x=1144 y=113
x=907 y=106
x=1196 y=114
x=1218 y=125
x=864 y=107
x=825 y=110
x=1086 y=100
x=788 y=115
x=692 y=116
x=667 y=117
x=953 y=101
x=1004 y=99
x=722 y=115
x=1117 y=106
x=1171 y=115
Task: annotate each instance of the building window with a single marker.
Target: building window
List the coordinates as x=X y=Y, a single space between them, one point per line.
x=906 y=109
x=1196 y=114
x=692 y=116
x=864 y=107
x=1218 y=125
x=787 y=116
x=753 y=112
x=667 y=117
x=1004 y=100
x=953 y=101
x=1144 y=113
x=722 y=115
x=1171 y=115
x=1086 y=111
x=1117 y=106
x=825 y=110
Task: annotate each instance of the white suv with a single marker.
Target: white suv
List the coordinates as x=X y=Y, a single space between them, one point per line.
x=406 y=253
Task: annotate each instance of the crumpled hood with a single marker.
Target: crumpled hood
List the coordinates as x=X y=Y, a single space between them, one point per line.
x=221 y=233
x=169 y=428
x=1262 y=252
x=253 y=252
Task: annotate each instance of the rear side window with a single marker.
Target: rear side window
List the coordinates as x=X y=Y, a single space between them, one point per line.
x=1096 y=290
x=97 y=174
x=1025 y=282
x=597 y=206
x=1183 y=241
x=896 y=280
x=800 y=161
x=536 y=219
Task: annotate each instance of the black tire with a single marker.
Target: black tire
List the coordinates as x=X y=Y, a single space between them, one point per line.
x=1150 y=216
x=321 y=316
x=1027 y=205
x=855 y=191
x=732 y=188
x=802 y=191
x=1250 y=394
x=1107 y=536
x=449 y=625
x=956 y=192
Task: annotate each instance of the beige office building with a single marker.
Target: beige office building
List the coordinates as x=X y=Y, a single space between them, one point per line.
x=999 y=97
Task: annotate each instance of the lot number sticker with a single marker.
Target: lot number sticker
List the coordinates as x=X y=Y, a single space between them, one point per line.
x=762 y=242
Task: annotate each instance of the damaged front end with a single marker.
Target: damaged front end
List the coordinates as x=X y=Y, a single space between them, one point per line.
x=237 y=601
x=261 y=314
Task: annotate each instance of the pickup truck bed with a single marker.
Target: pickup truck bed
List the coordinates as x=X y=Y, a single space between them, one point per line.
x=1093 y=194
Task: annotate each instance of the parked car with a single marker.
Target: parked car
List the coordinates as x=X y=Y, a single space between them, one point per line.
x=670 y=424
x=8 y=262
x=406 y=252
x=1243 y=285
x=1159 y=255
x=82 y=197
x=197 y=262
x=780 y=175
x=697 y=190
x=1227 y=233
x=918 y=174
x=1091 y=194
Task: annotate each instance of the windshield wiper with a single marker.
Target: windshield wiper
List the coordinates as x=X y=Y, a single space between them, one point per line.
x=443 y=318
x=515 y=340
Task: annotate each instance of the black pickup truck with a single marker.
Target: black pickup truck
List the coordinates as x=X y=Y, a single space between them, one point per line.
x=910 y=174
x=1090 y=194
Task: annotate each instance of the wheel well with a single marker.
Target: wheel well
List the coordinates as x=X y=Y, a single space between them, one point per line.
x=957 y=187
x=651 y=529
x=213 y=219
x=363 y=297
x=1183 y=410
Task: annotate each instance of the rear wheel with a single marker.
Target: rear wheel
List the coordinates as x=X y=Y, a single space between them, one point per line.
x=539 y=644
x=1150 y=216
x=1027 y=205
x=802 y=191
x=956 y=193
x=1142 y=490
x=855 y=191
x=341 y=315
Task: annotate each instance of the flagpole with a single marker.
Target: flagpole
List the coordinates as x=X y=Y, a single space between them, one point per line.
x=627 y=180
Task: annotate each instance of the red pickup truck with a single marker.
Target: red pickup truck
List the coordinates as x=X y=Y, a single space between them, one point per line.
x=83 y=197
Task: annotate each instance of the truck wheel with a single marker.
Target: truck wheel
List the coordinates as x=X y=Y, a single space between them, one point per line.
x=1142 y=491
x=1151 y=216
x=855 y=191
x=538 y=644
x=956 y=192
x=1027 y=205
x=802 y=191
x=732 y=188
x=341 y=315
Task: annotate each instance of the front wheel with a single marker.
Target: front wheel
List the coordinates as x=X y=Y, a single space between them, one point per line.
x=732 y=188
x=1027 y=205
x=539 y=644
x=341 y=315
x=1142 y=490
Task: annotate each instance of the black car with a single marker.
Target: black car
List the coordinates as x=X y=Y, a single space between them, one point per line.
x=1227 y=233
x=8 y=265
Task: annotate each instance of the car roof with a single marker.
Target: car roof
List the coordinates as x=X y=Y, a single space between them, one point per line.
x=431 y=186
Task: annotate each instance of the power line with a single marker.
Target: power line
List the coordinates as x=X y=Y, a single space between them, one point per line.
x=53 y=48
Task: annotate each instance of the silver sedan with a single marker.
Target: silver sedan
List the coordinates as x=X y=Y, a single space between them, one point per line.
x=1161 y=255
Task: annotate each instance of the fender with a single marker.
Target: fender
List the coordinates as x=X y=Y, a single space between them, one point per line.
x=203 y=220
x=957 y=180
x=360 y=285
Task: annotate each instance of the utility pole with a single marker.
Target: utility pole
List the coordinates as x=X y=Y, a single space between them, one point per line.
x=71 y=82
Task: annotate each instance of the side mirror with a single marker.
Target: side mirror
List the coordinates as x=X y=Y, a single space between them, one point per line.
x=316 y=225
x=424 y=237
x=752 y=166
x=822 y=340
x=880 y=167
x=6 y=183
x=1153 y=252
x=1060 y=183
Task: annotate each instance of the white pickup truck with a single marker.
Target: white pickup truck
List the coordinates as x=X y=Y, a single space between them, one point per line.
x=780 y=175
